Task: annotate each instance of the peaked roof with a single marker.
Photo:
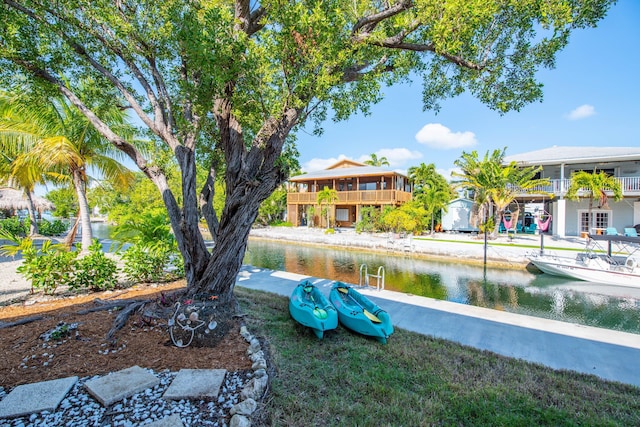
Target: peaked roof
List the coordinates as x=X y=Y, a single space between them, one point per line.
x=558 y=155
x=10 y=198
x=345 y=169
x=346 y=163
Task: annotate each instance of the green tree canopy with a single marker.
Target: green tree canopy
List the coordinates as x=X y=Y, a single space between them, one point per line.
x=430 y=189
x=495 y=183
x=375 y=161
x=240 y=77
x=594 y=185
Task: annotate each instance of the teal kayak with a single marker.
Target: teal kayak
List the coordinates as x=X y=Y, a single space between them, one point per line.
x=358 y=313
x=309 y=307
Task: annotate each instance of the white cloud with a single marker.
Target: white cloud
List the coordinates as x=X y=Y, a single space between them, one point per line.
x=435 y=135
x=321 y=164
x=395 y=156
x=582 y=112
x=447 y=173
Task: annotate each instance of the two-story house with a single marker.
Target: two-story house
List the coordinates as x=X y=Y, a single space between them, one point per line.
x=357 y=185
x=571 y=218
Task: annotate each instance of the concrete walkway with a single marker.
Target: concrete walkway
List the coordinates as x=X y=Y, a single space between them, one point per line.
x=610 y=355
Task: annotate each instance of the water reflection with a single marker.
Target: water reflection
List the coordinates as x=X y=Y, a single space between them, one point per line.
x=508 y=290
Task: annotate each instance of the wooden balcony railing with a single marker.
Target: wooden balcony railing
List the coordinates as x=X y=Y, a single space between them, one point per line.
x=354 y=197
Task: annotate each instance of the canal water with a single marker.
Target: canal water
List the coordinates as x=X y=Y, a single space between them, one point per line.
x=516 y=291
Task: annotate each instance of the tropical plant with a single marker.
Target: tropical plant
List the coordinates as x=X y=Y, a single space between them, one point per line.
x=430 y=189
x=55 y=228
x=594 y=185
x=398 y=220
x=65 y=201
x=328 y=196
x=14 y=226
x=311 y=213
x=17 y=169
x=496 y=184
x=240 y=78
x=375 y=161
x=369 y=220
x=152 y=254
x=47 y=268
x=60 y=140
x=94 y=271
x=273 y=207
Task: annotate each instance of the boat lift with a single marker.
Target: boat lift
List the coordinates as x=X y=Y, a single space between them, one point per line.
x=364 y=277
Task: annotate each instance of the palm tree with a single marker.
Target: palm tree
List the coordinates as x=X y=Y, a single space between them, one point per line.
x=375 y=161
x=328 y=196
x=597 y=185
x=431 y=189
x=495 y=183
x=16 y=168
x=476 y=178
x=59 y=140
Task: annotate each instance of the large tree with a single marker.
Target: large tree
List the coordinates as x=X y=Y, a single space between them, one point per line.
x=239 y=77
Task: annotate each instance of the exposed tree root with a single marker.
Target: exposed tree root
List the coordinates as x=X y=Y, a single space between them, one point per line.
x=20 y=322
x=123 y=316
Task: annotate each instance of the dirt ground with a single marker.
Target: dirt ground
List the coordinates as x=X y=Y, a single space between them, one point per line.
x=80 y=347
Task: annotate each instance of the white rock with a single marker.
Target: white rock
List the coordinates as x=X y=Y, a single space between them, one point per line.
x=257 y=355
x=239 y=421
x=246 y=407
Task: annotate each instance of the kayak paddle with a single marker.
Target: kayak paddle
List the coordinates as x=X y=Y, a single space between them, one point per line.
x=367 y=313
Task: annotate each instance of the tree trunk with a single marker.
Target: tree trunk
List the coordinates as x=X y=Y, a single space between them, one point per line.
x=33 y=228
x=219 y=277
x=83 y=207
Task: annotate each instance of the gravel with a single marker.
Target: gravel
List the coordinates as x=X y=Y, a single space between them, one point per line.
x=80 y=409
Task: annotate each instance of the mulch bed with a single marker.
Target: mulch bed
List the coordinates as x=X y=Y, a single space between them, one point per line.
x=85 y=350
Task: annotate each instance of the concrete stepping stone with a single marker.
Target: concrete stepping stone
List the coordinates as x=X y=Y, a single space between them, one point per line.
x=37 y=397
x=117 y=385
x=170 y=421
x=195 y=384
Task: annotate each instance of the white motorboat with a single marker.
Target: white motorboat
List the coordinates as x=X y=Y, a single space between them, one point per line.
x=596 y=264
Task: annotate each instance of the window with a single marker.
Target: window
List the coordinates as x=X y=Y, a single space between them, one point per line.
x=342 y=214
x=602 y=219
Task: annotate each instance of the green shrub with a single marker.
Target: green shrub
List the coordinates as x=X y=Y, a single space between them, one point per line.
x=147 y=263
x=54 y=265
x=95 y=271
x=55 y=228
x=14 y=226
x=153 y=255
x=47 y=268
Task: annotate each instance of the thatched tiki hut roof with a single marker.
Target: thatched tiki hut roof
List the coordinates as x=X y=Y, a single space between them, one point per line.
x=12 y=199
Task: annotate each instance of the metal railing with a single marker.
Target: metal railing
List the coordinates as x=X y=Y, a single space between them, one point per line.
x=558 y=187
x=364 y=277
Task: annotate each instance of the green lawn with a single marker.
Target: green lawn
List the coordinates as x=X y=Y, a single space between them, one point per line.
x=349 y=380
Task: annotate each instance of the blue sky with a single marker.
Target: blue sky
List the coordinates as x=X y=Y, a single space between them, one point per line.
x=591 y=98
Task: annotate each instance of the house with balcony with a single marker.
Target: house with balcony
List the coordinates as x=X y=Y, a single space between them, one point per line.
x=357 y=185
x=571 y=218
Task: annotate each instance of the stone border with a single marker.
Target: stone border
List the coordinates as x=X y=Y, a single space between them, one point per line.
x=257 y=386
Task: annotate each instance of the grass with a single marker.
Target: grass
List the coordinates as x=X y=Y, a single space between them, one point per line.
x=505 y=244
x=350 y=380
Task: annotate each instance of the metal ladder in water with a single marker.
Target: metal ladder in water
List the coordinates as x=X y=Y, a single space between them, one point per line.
x=364 y=276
